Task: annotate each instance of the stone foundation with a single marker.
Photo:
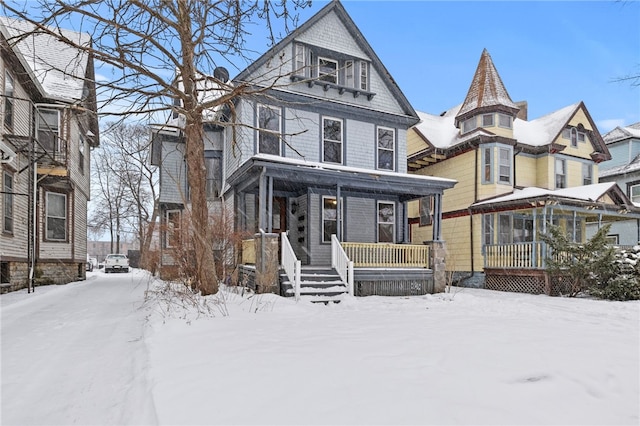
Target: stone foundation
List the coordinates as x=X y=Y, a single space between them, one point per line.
x=46 y=273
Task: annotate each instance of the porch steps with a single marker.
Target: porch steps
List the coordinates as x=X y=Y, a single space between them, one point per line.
x=317 y=284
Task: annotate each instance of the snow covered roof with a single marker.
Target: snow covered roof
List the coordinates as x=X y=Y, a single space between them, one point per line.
x=581 y=193
x=621 y=133
x=57 y=68
x=486 y=88
x=441 y=132
x=633 y=166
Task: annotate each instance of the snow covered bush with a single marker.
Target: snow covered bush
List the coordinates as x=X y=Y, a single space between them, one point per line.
x=625 y=284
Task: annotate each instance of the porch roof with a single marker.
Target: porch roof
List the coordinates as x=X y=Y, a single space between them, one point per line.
x=293 y=175
x=588 y=196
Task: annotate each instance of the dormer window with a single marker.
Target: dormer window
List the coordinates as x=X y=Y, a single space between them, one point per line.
x=328 y=70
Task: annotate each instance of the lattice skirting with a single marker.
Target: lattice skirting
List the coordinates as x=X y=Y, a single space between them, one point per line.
x=517 y=283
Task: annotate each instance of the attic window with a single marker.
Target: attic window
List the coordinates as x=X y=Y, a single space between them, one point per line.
x=469 y=125
x=487 y=120
x=328 y=70
x=505 y=121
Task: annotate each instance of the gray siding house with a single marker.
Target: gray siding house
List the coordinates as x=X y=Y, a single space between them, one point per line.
x=49 y=126
x=317 y=161
x=623 y=169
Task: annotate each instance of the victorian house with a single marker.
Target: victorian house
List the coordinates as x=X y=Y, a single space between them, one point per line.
x=318 y=163
x=515 y=177
x=49 y=126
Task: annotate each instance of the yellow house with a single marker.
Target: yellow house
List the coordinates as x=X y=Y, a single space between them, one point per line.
x=515 y=176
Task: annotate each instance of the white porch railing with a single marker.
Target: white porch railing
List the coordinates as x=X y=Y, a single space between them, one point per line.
x=515 y=256
x=341 y=263
x=291 y=265
x=386 y=255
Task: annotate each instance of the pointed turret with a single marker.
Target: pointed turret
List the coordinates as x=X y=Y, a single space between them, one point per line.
x=487 y=93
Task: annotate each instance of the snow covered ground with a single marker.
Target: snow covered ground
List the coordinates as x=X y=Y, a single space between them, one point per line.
x=86 y=353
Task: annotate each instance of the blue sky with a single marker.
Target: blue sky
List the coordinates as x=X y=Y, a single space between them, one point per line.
x=549 y=53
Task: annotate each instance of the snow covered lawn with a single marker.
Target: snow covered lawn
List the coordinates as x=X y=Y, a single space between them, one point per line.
x=476 y=357
x=82 y=354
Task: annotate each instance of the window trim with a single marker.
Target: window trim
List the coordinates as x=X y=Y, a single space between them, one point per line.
x=8 y=101
x=509 y=118
x=65 y=218
x=487 y=165
x=392 y=223
x=631 y=186
x=509 y=157
x=56 y=141
x=470 y=124
x=492 y=120
x=8 y=202
x=325 y=140
x=488 y=226
x=588 y=168
x=268 y=132
x=379 y=148
x=334 y=74
x=364 y=76
x=563 y=175
x=425 y=219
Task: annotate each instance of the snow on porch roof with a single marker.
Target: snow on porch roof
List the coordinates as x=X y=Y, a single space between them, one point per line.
x=580 y=193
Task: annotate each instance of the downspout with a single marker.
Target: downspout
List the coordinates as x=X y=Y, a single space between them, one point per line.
x=475 y=198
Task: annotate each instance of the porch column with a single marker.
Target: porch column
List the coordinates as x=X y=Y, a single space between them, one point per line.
x=437 y=217
x=438 y=255
x=534 y=248
x=270 y=204
x=338 y=214
x=405 y=221
x=262 y=200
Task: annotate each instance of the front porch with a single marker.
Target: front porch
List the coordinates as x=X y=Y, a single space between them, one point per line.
x=356 y=269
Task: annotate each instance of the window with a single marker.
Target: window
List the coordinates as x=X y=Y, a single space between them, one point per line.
x=213 y=167
x=8 y=100
x=268 y=130
x=574 y=137
x=582 y=137
x=487 y=120
x=300 y=60
x=505 y=121
x=566 y=134
x=487 y=229
x=364 y=76
x=81 y=154
x=424 y=205
x=328 y=70
x=172 y=236
x=386 y=222
x=386 y=148
x=469 y=125
x=48 y=129
x=634 y=193
x=513 y=229
x=56 y=213
x=561 y=173
x=574 y=229
x=332 y=140
x=329 y=218
x=587 y=174
x=505 y=166
x=504 y=229
x=349 y=77
x=7 y=200
x=487 y=176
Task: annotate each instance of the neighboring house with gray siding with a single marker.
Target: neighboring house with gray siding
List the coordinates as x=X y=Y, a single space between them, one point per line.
x=324 y=154
x=624 y=169
x=49 y=127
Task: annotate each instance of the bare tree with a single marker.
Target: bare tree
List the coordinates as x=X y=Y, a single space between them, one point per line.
x=151 y=43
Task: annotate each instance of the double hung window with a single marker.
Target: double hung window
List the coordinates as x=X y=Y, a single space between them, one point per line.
x=269 y=130
x=386 y=222
x=56 y=216
x=332 y=136
x=386 y=148
x=7 y=200
x=587 y=174
x=49 y=129
x=329 y=218
x=8 y=100
x=173 y=228
x=561 y=173
x=504 y=175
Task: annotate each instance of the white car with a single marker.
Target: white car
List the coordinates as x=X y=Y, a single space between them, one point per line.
x=116 y=263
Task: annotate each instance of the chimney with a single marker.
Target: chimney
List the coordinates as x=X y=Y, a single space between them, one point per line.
x=522 y=114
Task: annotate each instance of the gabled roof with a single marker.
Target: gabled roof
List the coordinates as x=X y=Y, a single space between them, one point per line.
x=57 y=69
x=334 y=6
x=621 y=133
x=440 y=131
x=626 y=169
x=486 y=92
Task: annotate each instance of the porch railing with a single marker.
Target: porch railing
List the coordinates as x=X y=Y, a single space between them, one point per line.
x=384 y=255
x=341 y=263
x=515 y=256
x=290 y=263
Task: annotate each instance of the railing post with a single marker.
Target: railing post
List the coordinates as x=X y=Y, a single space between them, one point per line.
x=296 y=280
x=350 y=278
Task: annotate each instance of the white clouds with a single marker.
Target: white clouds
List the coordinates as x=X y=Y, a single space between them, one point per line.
x=604 y=126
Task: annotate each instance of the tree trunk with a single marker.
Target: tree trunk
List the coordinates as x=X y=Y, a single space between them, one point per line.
x=206 y=279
